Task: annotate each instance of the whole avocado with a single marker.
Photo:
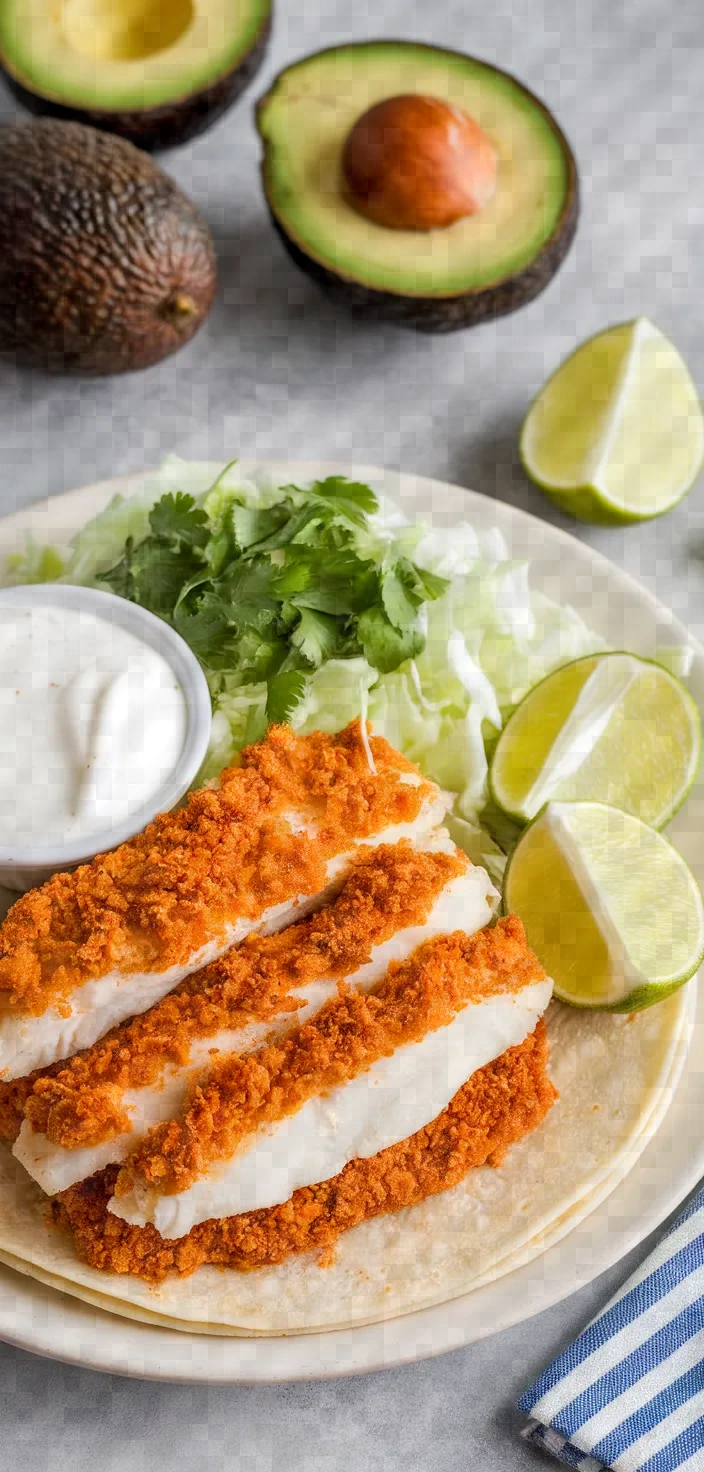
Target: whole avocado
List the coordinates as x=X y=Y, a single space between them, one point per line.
x=106 y=266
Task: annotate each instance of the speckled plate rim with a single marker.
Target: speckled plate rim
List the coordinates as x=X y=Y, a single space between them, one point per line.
x=41 y=1318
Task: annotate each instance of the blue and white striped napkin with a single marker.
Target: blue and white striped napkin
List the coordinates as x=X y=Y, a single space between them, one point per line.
x=629 y=1393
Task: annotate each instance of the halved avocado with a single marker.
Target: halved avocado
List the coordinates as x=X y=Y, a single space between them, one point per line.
x=439 y=279
x=154 y=71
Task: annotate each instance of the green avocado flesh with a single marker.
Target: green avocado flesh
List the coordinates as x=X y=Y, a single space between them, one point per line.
x=114 y=54
x=305 y=119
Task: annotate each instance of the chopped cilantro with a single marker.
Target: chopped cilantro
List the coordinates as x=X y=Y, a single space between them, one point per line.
x=268 y=593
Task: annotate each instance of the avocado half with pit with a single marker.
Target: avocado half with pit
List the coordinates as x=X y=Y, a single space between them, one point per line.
x=154 y=71
x=417 y=185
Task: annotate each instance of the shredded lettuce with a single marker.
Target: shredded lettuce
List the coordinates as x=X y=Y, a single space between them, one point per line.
x=479 y=846
x=334 y=695
x=91 y=552
x=315 y=603
x=36 y=564
x=489 y=639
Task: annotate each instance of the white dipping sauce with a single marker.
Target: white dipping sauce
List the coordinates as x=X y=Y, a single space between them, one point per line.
x=92 y=722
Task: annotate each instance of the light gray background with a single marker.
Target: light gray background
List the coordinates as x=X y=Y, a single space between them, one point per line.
x=278 y=371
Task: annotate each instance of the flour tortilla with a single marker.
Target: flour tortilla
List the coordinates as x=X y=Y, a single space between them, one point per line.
x=616 y=1077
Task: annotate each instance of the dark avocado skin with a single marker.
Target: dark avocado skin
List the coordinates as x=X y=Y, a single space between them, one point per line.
x=155 y=128
x=106 y=266
x=448 y=313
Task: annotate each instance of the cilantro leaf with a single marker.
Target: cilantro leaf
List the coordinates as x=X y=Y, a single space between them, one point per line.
x=290 y=529
x=315 y=636
x=384 y=646
x=323 y=531
x=248 y=589
x=254 y=524
x=401 y=601
x=218 y=550
x=259 y=656
x=155 y=573
x=295 y=574
x=404 y=587
x=339 y=583
x=176 y=519
x=284 y=692
x=221 y=546
x=158 y=574
x=197 y=580
x=430 y=584
x=349 y=498
x=329 y=595
x=205 y=628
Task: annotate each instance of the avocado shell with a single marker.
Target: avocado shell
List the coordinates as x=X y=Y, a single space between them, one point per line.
x=443 y=313
x=154 y=128
x=106 y=266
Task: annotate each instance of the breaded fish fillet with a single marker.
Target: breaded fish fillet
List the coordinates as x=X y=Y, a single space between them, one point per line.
x=101 y=944
x=92 y=1111
x=367 y=1071
x=501 y=1102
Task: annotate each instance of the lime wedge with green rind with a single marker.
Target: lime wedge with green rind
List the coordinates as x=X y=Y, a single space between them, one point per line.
x=609 y=906
x=617 y=434
x=607 y=728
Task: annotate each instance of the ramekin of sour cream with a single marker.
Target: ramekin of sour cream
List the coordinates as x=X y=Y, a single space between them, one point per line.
x=104 y=721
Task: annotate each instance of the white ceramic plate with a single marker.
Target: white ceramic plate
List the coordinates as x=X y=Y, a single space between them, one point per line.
x=36 y=1317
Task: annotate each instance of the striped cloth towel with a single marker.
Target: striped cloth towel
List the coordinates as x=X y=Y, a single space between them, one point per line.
x=629 y=1393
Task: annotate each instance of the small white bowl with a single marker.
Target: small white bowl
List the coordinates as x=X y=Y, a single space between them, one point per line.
x=23 y=866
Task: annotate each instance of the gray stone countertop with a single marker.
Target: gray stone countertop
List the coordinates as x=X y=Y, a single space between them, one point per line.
x=278 y=371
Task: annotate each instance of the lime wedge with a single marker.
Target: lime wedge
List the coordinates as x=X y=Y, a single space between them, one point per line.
x=609 y=906
x=617 y=434
x=609 y=728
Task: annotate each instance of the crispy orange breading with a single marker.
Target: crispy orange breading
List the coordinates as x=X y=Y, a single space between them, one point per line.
x=80 y=1103
x=246 y=1092
x=500 y=1104
x=228 y=854
x=13 y=1097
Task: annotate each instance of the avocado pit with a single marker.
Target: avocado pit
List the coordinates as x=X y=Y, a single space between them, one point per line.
x=414 y=162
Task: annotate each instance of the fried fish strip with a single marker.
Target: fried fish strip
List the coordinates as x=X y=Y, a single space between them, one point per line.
x=501 y=1103
x=364 y=1072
